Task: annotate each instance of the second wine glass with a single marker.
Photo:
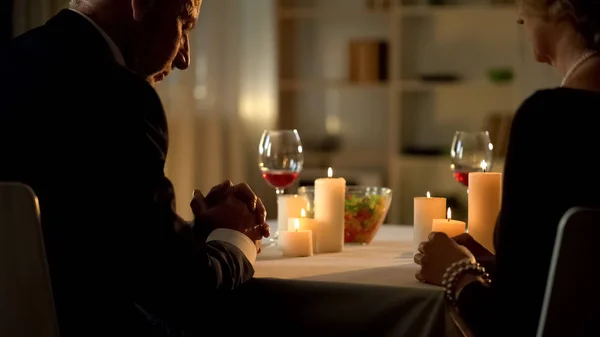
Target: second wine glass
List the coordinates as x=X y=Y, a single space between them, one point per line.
x=470 y=152
x=280 y=158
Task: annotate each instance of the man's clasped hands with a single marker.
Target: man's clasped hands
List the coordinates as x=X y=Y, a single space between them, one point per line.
x=233 y=207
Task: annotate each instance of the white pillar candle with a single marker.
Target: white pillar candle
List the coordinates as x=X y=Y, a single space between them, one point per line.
x=305 y=224
x=329 y=209
x=296 y=242
x=448 y=226
x=289 y=206
x=425 y=210
x=485 y=199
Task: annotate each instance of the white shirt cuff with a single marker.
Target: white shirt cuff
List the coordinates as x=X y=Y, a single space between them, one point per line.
x=237 y=239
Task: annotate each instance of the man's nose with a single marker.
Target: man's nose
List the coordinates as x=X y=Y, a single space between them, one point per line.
x=182 y=61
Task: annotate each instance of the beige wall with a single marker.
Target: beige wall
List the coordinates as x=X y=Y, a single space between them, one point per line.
x=29 y=14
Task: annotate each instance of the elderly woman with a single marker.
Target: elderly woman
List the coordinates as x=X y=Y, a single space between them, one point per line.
x=554 y=138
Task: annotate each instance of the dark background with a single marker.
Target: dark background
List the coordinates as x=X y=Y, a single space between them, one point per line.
x=6 y=9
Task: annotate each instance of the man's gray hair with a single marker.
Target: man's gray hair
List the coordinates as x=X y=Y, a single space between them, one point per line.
x=78 y=3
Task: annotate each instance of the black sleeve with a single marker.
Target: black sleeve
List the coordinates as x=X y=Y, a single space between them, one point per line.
x=174 y=268
x=91 y=140
x=510 y=302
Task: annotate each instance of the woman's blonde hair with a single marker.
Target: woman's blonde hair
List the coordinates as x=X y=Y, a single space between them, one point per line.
x=583 y=14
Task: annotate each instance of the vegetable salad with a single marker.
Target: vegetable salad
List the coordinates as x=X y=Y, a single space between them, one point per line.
x=363 y=217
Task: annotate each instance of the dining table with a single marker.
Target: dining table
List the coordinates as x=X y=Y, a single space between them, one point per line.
x=365 y=290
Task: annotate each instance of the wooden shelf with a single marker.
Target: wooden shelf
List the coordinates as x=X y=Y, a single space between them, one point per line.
x=421 y=86
x=405 y=160
x=318 y=13
x=428 y=10
x=403 y=85
x=348 y=159
x=406 y=10
x=302 y=85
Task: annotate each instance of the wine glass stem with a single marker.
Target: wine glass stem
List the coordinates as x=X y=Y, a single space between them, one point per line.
x=279 y=191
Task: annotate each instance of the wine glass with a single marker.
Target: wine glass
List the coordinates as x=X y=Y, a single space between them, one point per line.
x=470 y=152
x=280 y=158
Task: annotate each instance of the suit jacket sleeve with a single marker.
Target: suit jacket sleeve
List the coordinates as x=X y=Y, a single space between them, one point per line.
x=511 y=302
x=170 y=270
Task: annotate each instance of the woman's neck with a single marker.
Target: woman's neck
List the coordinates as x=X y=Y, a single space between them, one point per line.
x=586 y=76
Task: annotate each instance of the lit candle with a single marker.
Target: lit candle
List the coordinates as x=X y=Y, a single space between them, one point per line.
x=296 y=242
x=485 y=199
x=305 y=224
x=330 y=194
x=448 y=226
x=289 y=206
x=425 y=210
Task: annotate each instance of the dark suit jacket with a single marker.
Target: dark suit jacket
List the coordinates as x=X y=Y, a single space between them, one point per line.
x=90 y=137
x=549 y=169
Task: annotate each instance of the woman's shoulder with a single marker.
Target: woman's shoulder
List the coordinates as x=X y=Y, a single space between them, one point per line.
x=559 y=100
x=564 y=95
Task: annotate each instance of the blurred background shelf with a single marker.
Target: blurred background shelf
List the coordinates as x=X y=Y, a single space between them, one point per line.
x=428 y=10
x=327 y=13
x=402 y=85
x=295 y=85
x=356 y=83
x=419 y=85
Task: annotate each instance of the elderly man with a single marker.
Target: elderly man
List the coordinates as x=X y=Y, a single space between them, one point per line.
x=83 y=126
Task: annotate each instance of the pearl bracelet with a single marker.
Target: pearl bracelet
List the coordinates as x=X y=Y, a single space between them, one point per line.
x=457 y=269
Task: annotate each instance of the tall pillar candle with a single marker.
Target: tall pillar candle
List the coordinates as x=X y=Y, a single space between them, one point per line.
x=485 y=199
x=289 y=206
x=329 y=209
x=425 y=210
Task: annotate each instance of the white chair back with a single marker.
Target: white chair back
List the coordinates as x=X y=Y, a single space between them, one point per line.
x=26 y=302
x=571 y=304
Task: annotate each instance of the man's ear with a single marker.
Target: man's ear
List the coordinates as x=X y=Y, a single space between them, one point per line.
x=139 y=9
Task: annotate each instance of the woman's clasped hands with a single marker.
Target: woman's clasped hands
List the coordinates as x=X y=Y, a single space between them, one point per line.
x=437 y=254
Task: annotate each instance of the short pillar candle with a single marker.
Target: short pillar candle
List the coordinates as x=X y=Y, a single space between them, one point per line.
x=425 y=210
x=450 y=227
x=296 y=242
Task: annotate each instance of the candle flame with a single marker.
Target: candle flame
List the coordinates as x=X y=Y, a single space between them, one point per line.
x=303 y=213
x=329 y=172
x=296 y=225
x=428 y=195
x=449 y=214
x=484 y=165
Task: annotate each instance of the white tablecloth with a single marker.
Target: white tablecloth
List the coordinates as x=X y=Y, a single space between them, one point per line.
x=390 y=250
x=366 y=290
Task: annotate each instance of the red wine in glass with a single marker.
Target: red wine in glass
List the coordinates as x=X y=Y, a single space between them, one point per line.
x=280 y=178
x=461 y=175
x=470 y=152
x=280 y=158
